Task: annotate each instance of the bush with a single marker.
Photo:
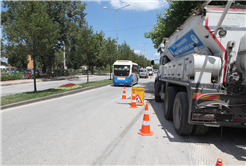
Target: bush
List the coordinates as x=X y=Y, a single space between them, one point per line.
x=14 y=76
x=60 y=73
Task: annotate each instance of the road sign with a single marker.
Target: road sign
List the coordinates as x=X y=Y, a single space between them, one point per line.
x=139 y=93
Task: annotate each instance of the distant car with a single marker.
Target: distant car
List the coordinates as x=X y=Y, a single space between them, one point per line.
x=156 y=71
x=143 y=73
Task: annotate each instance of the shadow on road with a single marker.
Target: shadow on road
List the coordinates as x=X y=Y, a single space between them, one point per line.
x=233 y=140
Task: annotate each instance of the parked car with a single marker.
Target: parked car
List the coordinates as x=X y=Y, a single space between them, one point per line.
x=143 y=73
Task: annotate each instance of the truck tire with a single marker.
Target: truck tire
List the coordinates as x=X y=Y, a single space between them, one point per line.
x=157 y=90
x=200 y=130
x=180 y=114
x=168 y=102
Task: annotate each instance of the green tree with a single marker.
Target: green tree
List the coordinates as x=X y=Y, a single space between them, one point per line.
x=3 y=49
x=89 y=46
x=70 y=17
x=125 y=52
x=17 y=55
x=109 y=53
x=27 y=24
x=142 y=61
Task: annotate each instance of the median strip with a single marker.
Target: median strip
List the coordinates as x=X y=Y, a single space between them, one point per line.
x=31 y=97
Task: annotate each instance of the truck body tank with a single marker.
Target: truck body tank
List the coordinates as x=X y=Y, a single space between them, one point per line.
x=195 y=40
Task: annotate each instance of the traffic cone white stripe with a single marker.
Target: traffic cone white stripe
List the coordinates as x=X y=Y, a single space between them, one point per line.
x=124 y=93
x=146 y=123
x=134 y=103
x=145 y=131
x=146 y=112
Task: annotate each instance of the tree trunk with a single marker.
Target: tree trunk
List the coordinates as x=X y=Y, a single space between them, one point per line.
x=49 y=74
x=92 y=71
x=44 y=68
x=88 y=74
x=34 y=75
x=110 y=70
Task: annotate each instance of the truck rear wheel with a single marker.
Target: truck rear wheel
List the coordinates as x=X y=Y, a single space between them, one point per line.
x=168 y=102
x=200 y=130
x=157 y=90
x=180 y=114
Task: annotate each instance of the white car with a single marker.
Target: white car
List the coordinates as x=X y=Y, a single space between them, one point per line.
x=143 y=73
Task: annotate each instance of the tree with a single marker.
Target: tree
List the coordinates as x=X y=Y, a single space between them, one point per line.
x=109 y=53
x=27 y=24
x=142 y=61
x=70 y=17
x=3 y=49
x=88 y=47
x=17 y=55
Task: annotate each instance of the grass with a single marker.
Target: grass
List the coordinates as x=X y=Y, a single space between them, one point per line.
x=9 y=99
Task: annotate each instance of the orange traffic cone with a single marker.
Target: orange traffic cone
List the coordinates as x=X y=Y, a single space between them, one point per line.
x=134 y=103
x=145 y=131
x=219 y=162
x=150 y=77
x=124 y=93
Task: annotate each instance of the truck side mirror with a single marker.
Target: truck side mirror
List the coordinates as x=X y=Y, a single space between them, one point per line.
x=152 y=62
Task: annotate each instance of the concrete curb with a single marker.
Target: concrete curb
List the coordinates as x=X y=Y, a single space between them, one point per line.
x=52 y=97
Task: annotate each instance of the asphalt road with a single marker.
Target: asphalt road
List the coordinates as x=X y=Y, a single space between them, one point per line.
x=28 y=87
x=89 y=128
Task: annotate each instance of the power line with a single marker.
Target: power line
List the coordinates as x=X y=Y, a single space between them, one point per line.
x=130 y=28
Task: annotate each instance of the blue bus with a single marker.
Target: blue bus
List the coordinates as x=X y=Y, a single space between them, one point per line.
x=125 y=73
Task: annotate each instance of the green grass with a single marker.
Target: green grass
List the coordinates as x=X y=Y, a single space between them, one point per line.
x=9 y=99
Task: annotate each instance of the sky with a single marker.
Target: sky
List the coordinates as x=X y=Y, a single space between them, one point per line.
x=133 y=21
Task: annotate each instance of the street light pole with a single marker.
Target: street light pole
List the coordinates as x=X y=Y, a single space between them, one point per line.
x=144 y=47
x=64 y=58
x=117 y=23
x=117 y=31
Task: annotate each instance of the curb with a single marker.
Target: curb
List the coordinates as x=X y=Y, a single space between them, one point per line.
x=53 y=96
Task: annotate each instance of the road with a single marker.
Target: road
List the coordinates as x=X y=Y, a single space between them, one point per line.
x=89 y=128
x=28 y=87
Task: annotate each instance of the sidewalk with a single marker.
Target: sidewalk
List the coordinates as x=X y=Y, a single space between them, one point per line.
x=23 y=81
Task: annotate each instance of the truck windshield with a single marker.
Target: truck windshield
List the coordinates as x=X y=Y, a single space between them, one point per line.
x=121 y=70
x=149 y=69
x=142 y=70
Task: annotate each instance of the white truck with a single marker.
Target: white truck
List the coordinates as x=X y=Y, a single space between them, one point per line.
x=150 y=70
x=202 y=78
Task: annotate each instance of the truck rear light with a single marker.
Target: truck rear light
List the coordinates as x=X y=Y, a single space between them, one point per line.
x=203 y=117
